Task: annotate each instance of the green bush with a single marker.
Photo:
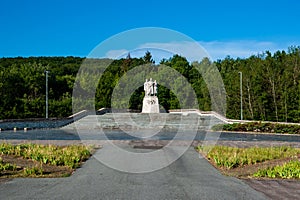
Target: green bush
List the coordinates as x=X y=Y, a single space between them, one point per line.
x=259 y=127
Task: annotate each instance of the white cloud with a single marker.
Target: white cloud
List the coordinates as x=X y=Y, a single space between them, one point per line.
x=242 y=49
x=195 y=51
x=116 y=54
x=191 y=50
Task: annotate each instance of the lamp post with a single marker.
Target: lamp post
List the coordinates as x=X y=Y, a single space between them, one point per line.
x=241 y=93
x=46 y=72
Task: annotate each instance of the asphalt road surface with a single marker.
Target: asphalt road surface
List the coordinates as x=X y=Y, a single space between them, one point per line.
x=59 y=134
x=190 y=177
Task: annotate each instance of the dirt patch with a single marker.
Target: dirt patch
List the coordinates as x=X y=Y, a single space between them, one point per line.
x=150 y=144
x=22 y=164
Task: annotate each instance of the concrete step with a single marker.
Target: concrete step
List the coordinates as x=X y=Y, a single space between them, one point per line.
x=137 y=121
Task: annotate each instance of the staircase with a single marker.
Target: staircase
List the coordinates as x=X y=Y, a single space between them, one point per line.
x=145 y=121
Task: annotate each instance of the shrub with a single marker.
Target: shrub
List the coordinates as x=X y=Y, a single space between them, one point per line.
x=259 y=127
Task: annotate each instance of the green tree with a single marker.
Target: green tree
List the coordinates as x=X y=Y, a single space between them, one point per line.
x=148 y=58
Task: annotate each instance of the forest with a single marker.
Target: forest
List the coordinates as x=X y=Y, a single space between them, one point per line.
x=270 y=84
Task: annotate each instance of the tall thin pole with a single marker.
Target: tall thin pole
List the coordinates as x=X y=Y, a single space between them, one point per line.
x=46 y=94
x=241 y=92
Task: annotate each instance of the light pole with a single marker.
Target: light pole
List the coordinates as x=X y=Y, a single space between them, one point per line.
x=241 y=93
x=46 y=72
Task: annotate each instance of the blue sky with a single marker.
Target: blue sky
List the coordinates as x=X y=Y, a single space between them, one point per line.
x=75 y=28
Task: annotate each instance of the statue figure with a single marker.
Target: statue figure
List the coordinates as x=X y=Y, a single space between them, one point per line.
x=150 y=87
x=146 y=87
x=150 y=101
x=155 y=87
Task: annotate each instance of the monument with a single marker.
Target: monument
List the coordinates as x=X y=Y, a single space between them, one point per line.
x=150 y=101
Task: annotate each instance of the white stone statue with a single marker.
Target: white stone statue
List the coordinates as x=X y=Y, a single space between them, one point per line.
x=146 y=88
x=150 y=87
x=150 y=101
x=155 y=87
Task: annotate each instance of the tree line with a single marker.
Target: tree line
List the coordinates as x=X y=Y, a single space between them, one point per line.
x=270 y=85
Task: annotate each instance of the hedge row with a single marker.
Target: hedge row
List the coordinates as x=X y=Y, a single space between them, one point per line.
x=259 y=127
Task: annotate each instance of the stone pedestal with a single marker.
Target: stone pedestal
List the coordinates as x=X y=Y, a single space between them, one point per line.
x=150 y=104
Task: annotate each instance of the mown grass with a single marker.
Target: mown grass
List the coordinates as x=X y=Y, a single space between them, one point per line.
x=69 y=156
x=288 y=170
x=232 y=157
x=259 y=127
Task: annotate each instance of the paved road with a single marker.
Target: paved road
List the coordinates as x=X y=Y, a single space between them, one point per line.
x=190 y=177
x=59 y=134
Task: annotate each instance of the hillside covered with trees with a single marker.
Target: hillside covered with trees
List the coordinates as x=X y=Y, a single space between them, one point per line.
x=271 y=85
